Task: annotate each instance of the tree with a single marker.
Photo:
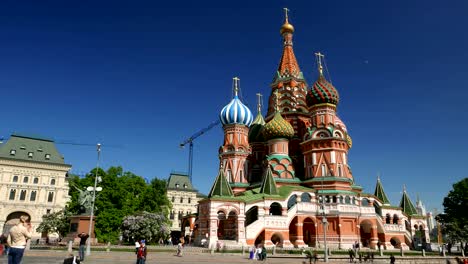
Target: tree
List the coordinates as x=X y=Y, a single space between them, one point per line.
x=144 y=225
x=57 y=222
x=454 y=220
x=123 y=194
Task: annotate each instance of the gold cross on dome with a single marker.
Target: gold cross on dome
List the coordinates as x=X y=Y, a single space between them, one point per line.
x=286 y=10
x=259 y=103
x=319 y=57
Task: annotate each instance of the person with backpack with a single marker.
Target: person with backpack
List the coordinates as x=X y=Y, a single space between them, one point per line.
x=141 y=253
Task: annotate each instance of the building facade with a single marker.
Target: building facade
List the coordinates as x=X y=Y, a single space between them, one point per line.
x=184 y=198
x=32 y=180
x=285 y=178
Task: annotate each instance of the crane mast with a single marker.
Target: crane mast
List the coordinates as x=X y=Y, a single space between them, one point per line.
x=190 y=140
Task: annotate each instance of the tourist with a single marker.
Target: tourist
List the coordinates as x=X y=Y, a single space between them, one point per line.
x=180 y=247
x=83 y=237
x=258 y=252
x=263 y=253
x=17 y=240
x=141 y=253
x=137 y=246
x=351 y=255
x=392 y=259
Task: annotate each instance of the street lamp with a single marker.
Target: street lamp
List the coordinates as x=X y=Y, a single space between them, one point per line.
x=94 y=190
x=325 y=223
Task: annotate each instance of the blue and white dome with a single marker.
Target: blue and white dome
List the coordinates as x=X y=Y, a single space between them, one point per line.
x=236 y=113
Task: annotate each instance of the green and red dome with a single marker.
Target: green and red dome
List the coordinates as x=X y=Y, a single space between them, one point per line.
x=322 y=92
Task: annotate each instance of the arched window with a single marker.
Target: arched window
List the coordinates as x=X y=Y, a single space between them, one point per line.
x=221 y=215
x=173 y=199
x=189 y=200
x=50 y=198
x=347 y=200
x=395 y=219
x=387 y=219
x=52 y=182
x=324 y=170
x=15 y=178
x=25 y=179
x=171 y=216
x=32 y=198
x=340 y=171
x=365 y=202
x=340 y=199
x=36 y=180
x=229 y=176
x=12 y=194
x=305 y=198
x=251 y=215
x=23 y=195
x=181 y=199
x=275 y=209
x=292 y=201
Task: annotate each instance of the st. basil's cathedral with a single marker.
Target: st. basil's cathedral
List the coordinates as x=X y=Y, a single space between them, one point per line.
x=284 y=179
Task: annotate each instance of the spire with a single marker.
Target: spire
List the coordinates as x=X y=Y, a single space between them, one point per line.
x=236 y=86
x=269 y=184
x=406 y=204
x=380 y=193
x=221 y=186
x=288 y=63
x=319 y=56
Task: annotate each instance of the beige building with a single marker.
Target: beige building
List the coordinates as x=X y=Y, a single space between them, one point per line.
x=184 y=199
x=32 y=180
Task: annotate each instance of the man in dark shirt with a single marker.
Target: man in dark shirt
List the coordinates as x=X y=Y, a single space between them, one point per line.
x=83 y=237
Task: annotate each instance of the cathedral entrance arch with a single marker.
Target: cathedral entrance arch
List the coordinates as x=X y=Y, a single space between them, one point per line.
x=277 y=239
x=293 y=230
x=13 y=219
x=309 y=232
x=366 y=232
x=227 y=226
x=260 y=238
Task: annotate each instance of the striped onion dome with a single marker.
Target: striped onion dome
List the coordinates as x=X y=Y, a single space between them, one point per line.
x=236 y=113
x=322 y=92
x=278 y=128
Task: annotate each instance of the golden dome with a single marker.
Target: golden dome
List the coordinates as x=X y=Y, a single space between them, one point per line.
x=286 y=28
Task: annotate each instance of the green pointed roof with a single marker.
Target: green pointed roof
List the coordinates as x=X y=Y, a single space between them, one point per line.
x=380 y=193
x=407 y=205
x=269 y=184
x=221 y=186
x=255 y=131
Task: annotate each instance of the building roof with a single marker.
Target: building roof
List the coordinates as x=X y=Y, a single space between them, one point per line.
x=269 y=184
x=407 y=205
x=179 y=181
x=221 y=186
x=31 y=148
x=380 y=193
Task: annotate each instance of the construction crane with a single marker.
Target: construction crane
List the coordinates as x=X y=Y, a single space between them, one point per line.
x=190 y=142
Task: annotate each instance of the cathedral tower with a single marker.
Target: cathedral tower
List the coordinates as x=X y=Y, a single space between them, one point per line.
x=236 y=119
x=326 y=142
x=292 y=90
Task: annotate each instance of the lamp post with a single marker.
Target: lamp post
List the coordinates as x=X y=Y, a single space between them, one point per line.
x=93 y=189
x=325 y=223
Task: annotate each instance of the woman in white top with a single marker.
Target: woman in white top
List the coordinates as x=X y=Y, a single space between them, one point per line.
x=17 y=239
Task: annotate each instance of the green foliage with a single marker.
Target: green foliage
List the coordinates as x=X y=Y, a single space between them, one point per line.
x=55 y=223
x=454 y=220
x=123 y=194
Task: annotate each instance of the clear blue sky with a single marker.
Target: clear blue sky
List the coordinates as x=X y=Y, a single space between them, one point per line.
x=147 y=75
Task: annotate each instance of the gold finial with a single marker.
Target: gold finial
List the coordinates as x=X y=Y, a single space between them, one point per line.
x=259 y=103
x=319 y=56
x=276 y=101
x=236 y=85
x=286 y=27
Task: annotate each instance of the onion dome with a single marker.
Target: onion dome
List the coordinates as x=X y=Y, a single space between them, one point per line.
x=278 y=128
x=255 y=134
x=322 y=92
x=286 y=27
x=236 y=112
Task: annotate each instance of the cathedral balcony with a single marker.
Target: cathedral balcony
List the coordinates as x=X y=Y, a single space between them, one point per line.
x=394 y=228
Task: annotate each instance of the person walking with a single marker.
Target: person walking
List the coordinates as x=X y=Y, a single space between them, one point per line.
x=180 y=247
x=141 y=253
x=17 y=240
x=392 y=259
x=83 y=237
